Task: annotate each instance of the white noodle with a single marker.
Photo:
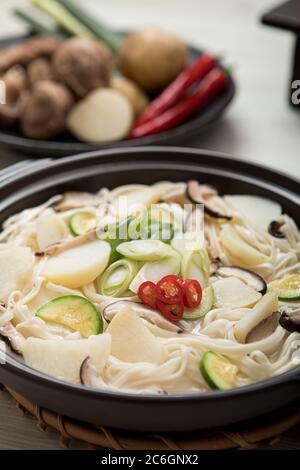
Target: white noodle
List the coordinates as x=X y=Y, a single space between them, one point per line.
x=258 y=360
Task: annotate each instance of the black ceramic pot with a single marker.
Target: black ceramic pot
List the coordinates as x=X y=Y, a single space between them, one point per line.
x=33 y=183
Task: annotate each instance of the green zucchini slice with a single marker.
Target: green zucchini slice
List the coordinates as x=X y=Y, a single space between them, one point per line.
x=205 y=306
x=288 y=288
x=81 y=222
x=218 y=371
x=74 y=312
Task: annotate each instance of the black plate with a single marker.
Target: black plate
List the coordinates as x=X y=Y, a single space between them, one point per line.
x=66 y=144
x=26 y=186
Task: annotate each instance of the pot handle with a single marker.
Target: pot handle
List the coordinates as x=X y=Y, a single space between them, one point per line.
x=22 y=166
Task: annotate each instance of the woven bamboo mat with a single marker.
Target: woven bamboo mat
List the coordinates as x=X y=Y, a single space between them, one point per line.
x=243 y=436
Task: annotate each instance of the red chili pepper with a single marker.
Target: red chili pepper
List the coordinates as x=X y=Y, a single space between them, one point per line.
x=147 y=293
x=171 y=95
x=169 y=290
x=192 y=293
x=214 y=82
x=176 y=278
x=172 y=312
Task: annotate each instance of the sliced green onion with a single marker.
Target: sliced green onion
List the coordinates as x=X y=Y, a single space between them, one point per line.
x=192 y=268
x=99 y=29
x=145 y=227
x=144 y=250
x=195 y=262
x=154 y=271
x=63 y=17
x=115 y=280
x=115 y=234
x=38 y=25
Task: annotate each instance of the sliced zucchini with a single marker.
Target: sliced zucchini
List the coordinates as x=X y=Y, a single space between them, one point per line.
x=287 y=288
x=206 y=305
x=81 y=222
x=74 y=312
x=218 y=371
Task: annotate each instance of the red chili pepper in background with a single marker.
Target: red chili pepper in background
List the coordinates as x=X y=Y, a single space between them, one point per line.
x=147 y=293
x=172 y=312
x=169 y=290
x=192 y=293
x=171 y=95
x=214 y=82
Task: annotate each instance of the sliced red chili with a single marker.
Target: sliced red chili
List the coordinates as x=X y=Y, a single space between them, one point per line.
x=147 y=293
x=176 y=278
x=169 y=290
x=192 y=293
x=172 y=312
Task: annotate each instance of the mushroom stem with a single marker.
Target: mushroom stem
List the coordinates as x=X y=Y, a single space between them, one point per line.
x=10 y=335
x=57 y=248
x=262 y=310
x=89 y=375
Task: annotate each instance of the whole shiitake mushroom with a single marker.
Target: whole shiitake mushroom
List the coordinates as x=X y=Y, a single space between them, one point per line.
x=26 y=51
x=45 y=110
x=15 y=83
x=83 y=64
x=39 y=69
x=152 y=58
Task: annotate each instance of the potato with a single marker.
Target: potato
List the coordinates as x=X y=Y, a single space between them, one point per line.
x=152 y=58
x=50 y=229
x=16 y=267
x=77 y=266
x=131 y=341
x=63 y=359
x=258 y=209
x=135 y=95
x=233 y=293
x=105 y=115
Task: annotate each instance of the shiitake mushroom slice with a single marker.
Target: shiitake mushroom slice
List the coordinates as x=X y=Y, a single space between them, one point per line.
x=263 y=329
x=250 y=278
x=194 y=194
x=274 y=229
x=290 y=320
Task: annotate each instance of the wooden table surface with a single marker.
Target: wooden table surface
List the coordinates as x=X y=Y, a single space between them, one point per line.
x=259 y=127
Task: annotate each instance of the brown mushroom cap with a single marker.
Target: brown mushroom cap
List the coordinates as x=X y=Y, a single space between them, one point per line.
x=15 y=82
x=39 y=69
x=290 y=320
x=250 y=278
x=83 y=64
x=199 y=194
x=274 y=229
x=26 y=51
x=45 y=110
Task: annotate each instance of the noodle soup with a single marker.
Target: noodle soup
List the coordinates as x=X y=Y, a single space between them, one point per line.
x=153 y=289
